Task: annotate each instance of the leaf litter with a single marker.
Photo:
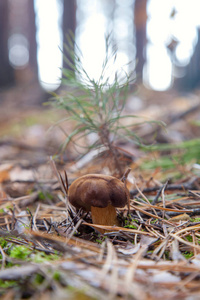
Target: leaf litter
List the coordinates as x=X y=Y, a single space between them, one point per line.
x=154 y=253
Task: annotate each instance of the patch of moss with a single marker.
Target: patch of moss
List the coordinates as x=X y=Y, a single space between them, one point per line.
x=20 y=252
x=43 y=196
x=130 y=226
x=56 y=276
x=3 y=243
x=7 y=284
x=135 y=220
x=195 y=220
x=130 y=223
x=40 y=257
x=189 y=238
x=188 y=254
x=38 y=279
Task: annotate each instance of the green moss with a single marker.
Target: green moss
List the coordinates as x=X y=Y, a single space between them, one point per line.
x=195 y=220
x=20 y=252
x=189 y=238
x=99 y=241
x=40 y=257
x=188 y=254
x=38 y=279
x=135 y=220
x=3 y=243
x=130 y=220
x=7 y=284
x=9 y=265
x=57 y=276
x=130 y=226
x=24 y=253
x=130 y=223
x=43 y=196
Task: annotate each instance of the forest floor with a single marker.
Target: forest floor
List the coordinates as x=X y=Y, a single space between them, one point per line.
x=48 y=250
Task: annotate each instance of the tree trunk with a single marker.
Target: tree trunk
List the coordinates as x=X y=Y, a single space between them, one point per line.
x=6 y=71
x=31 y=32
x=22 y=23
x=140 y=18
x=69 y=26
x=191 y=79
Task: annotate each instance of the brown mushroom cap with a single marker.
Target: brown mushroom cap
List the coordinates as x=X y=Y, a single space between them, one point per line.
x=99 y=191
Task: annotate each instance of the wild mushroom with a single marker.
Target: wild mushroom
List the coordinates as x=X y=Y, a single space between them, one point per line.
x=99 y=194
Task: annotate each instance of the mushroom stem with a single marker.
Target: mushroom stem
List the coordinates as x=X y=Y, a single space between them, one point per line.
x=104 y=216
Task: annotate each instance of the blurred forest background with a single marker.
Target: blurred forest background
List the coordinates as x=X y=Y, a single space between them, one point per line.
x=159 y=38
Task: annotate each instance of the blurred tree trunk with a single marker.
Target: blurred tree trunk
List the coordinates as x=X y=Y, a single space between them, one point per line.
x=22 y=23
x=31 y=33
x=69 y=26
x=191 y=79
x=6 y=71
x=140 y=19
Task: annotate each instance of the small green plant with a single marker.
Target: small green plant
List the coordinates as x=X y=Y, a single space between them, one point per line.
x=154 y=221
x=130 y=226
x=100 y=239
x=130 y=223
x=96 y=106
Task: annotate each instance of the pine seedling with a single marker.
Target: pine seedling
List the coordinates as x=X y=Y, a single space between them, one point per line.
x=96 y=106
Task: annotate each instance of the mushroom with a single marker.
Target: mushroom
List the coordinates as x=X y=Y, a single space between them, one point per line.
x=99 y=194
